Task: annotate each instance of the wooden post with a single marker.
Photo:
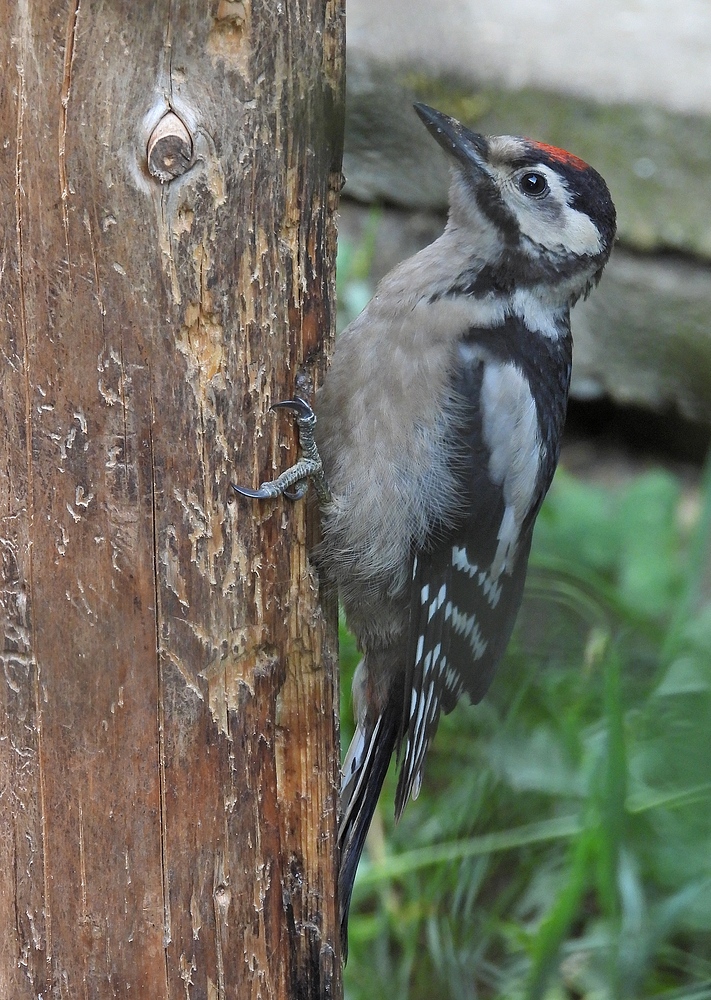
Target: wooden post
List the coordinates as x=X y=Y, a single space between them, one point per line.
x=168 y=729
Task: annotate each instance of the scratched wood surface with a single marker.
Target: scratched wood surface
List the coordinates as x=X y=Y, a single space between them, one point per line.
x=168 y=733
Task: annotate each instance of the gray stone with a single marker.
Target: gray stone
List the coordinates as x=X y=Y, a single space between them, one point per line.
x=656 y=162
x=643 y=336
x=654 y=52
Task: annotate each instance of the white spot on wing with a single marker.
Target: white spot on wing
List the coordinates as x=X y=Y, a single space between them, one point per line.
x=428 y=702
x=437 y=603
x=491 y=588
x=468 y=627
x=420 y=715
x=460 y=561
x=420 y=647
x=452 y=682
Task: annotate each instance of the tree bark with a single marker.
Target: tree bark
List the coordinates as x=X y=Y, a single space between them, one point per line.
x=168 y=726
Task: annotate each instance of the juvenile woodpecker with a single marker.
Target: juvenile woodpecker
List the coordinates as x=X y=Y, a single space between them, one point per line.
x=439 y=427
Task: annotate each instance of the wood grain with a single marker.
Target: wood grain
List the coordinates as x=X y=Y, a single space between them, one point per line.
x=168 y=726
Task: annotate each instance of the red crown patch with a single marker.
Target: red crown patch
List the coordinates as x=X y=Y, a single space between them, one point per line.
x=560 y=155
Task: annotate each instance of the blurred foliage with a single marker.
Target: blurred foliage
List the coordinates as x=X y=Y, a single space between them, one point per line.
x=354 y=286
x=561 y=845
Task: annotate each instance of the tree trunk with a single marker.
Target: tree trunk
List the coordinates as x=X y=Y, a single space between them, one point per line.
x=168 y=729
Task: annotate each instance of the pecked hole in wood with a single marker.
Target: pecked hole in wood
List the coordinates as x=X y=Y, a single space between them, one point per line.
x=170 y=149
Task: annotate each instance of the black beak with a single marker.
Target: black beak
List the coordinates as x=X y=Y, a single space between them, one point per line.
x=469 y=148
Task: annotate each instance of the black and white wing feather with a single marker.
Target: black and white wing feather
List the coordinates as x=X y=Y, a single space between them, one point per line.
x=468 y=581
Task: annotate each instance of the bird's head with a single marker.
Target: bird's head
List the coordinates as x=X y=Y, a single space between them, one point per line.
x=536 y=214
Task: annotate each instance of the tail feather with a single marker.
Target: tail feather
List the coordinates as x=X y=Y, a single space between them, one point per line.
x=364 y=771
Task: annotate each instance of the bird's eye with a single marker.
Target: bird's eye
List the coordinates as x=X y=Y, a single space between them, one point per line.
x=533 y=184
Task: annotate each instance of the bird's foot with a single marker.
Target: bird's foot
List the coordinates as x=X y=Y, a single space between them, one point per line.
x=309 y=466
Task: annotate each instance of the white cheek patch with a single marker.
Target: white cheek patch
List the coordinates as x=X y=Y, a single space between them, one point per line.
x=561 y=227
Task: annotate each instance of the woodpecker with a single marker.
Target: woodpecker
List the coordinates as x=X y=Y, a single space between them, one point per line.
x=439 y=427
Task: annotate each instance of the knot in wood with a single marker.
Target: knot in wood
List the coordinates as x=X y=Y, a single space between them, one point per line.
x=231 y=10
x=170 y=148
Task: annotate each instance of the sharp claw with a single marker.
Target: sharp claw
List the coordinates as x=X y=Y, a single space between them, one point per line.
x=297 y=494
x=244 y=491
x=300 y=406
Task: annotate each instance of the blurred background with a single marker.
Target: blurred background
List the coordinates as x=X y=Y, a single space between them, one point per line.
x=561 y=845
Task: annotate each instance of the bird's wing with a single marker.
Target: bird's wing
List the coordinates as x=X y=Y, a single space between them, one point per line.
x=468 y=578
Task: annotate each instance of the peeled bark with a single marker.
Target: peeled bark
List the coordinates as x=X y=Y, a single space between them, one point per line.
x=168 y=726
